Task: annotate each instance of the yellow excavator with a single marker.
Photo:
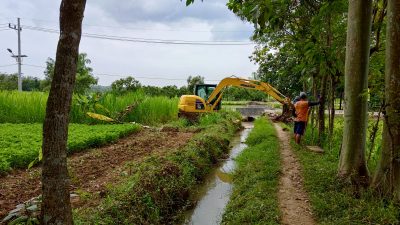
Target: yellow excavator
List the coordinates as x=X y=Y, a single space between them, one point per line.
x=207 y=97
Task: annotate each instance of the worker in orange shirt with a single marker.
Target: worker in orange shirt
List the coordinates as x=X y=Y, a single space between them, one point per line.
x=302 y=106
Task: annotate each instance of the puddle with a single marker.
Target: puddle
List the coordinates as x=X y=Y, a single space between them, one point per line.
x=214 y=193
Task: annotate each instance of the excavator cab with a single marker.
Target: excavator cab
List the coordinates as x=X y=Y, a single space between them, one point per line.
x=204 y=91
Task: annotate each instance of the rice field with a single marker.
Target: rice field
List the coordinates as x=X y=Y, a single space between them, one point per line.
x=22 y=115
x=29 y=107
x=20 y=143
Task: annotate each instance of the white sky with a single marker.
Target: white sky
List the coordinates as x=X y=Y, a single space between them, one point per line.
x=209 y=20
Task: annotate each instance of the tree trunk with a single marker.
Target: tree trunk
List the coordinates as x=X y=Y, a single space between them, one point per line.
x=352 y=165
x=314 y=92
x=332 y=108
x=321 y=109
x=387 y=177
x=56 y=208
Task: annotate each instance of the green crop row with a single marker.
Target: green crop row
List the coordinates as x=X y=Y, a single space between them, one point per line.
x=21 y=143
x=30 y=107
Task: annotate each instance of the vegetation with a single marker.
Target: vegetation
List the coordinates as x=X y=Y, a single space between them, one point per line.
x=124 y=85
x=254 y=199
x=159 y=189
x=21 y=143
x=334 y=202
x=10 y=82
x=301 y=46
x=29 y=107
x=387 y=178
x=243 y=94
x=192 y=81
x=84 y=75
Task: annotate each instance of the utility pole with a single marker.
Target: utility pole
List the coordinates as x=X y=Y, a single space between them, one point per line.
x=18 y=57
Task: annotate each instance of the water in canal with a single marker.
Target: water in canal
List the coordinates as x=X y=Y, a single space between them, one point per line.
x=215 y=191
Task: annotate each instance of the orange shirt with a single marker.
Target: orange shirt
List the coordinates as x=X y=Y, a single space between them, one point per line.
x=301 y=110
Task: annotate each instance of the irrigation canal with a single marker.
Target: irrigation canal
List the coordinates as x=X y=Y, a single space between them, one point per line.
x=215 y=192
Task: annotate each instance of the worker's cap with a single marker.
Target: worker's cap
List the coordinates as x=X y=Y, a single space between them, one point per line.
x=303 y=95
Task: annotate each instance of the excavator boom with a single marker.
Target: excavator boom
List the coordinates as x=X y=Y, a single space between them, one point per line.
x=245 y=83
x=191 y=105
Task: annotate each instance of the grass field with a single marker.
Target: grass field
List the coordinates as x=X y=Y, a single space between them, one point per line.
x=29 y=107
x=254 y=199
x=20 y=143
x=333 y=143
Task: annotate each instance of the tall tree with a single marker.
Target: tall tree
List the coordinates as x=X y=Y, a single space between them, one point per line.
x=8 y=81
x=352 y=165
x=84 y=75
x=56 y=207
x=124 y=85
x=192 y=81
x=387 y=177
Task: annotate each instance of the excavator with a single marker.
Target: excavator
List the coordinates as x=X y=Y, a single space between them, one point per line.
x=207 y=97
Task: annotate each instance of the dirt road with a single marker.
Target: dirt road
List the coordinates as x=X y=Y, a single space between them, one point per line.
x=293 y=200
x=91 y=171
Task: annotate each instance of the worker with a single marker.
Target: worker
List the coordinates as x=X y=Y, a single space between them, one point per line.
x=302 y=106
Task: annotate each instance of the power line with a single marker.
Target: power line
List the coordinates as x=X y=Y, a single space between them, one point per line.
x=8 y=65
x=135 y=38
x=147 y=29
x=146 y=40
x=144 y=77
x=34 y=65
x=126 y=75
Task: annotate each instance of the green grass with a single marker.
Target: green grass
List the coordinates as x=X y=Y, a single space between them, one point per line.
x=158 y=191
x=21 y=143
x=25 y=107
x=254 y=199
x=29 y=107
x=211 y=118
x=333 y=143
x=333 y=202
x=155 y=110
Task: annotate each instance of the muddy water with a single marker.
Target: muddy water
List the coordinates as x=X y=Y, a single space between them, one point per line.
x=214 y=194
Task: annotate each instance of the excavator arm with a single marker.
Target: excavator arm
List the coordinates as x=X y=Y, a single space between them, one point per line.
x=215 y=96
x=191 y=105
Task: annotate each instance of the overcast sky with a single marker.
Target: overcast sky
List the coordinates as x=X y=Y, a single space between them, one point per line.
x=209 y=20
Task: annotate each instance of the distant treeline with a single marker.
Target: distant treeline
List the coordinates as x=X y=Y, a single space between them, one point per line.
x=130 y=84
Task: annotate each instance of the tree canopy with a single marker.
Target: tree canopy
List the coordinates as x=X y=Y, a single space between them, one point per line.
x=84 y=75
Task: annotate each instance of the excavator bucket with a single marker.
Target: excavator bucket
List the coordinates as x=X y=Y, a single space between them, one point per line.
x=286 y=115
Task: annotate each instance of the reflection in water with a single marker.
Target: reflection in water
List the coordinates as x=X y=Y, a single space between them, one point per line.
x=216 y=190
